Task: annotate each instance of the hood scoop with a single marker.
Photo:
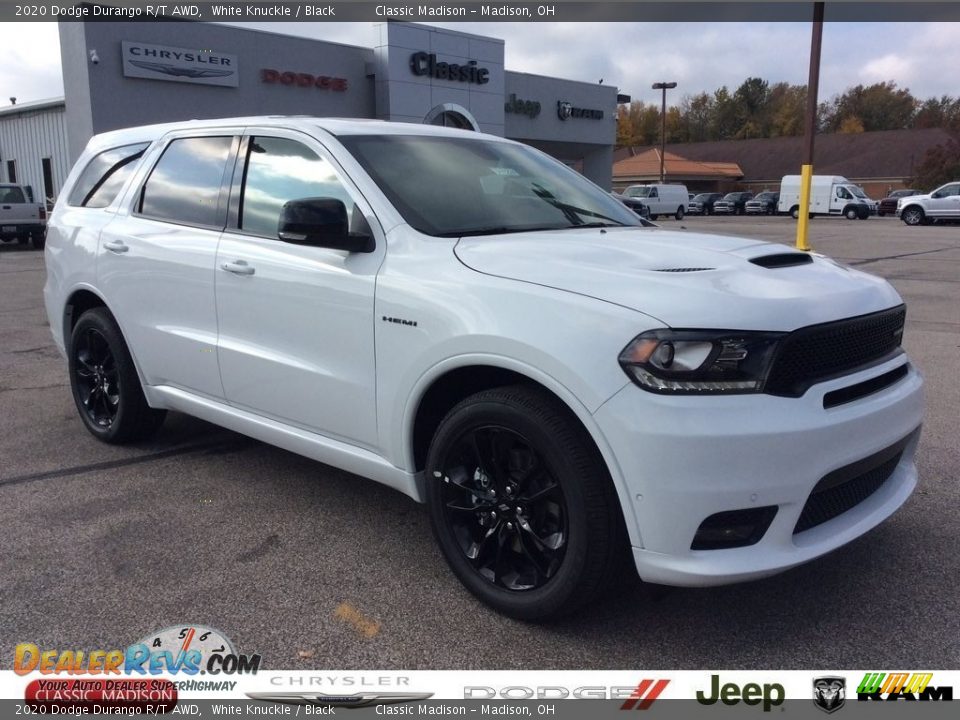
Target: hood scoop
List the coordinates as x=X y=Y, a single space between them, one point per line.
x=684 y=269
x=782 y=260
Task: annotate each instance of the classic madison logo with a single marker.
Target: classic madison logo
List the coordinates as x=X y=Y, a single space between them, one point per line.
x=829 y=693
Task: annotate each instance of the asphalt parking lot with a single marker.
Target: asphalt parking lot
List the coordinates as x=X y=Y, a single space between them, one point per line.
x=314 y=568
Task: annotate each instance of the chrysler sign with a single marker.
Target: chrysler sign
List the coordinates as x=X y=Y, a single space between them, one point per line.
x=188 y=65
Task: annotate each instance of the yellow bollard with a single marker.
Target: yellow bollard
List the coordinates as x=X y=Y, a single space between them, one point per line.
x=803 y=221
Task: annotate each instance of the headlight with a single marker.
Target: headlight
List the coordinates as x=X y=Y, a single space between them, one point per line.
x=697 y=362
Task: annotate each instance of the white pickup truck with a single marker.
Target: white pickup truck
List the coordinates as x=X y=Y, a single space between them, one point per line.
x=21 y=218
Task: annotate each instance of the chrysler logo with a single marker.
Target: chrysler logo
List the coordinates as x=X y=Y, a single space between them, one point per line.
x=178 y=71
x=356 y=700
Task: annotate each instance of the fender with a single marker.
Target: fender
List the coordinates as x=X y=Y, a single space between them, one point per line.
x=549 y=382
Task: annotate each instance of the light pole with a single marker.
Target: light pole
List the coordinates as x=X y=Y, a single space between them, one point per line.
x=806 y=169
x=664 y=86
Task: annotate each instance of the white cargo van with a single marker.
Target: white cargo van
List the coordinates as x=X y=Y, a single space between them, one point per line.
x=829 y=195
x=662 y=199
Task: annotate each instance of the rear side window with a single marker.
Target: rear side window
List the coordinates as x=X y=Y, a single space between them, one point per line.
x=11 y=195
x=184 y=186
x=105 y=176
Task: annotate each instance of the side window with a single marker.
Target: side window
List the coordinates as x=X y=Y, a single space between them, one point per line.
x=104 y=176
x=279 y=170
x=184 y=186
x=653 y=193
x=950 y=191
x=843 y=194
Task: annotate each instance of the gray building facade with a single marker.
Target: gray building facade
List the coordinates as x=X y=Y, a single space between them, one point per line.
x=130 y=73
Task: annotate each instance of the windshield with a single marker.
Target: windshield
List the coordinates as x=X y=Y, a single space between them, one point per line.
x=857 y=192
x=639 y=191
x=702 y=197
x=764 y=196
x=455 y=186
x=732 y=197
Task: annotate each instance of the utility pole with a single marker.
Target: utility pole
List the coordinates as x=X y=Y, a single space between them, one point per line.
x=806 y=170
x=664 y=86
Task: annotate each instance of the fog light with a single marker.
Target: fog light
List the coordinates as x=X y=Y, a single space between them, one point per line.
x=734 y=528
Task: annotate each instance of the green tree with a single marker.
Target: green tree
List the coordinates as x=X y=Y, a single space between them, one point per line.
x=940 y=165
x=881 y=106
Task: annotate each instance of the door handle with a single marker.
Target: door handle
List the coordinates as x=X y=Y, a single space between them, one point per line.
x=116 y=246
x=238 y=267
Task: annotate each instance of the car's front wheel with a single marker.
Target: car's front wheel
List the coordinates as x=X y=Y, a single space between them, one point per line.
x=679 y=214
x=105 y=384
x=522 y=505
x=913 y=216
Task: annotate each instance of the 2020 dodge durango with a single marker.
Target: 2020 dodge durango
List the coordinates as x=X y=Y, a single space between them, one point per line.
x=470 y=322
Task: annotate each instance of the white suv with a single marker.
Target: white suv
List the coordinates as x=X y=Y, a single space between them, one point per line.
x=468 y=321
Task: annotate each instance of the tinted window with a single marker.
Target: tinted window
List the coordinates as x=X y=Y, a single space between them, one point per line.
x=280 y=170
x=185 y=184
x=105 y=175
x=455 y=185
x=11 y=195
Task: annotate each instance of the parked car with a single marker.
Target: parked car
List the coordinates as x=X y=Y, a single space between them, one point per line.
x=493 y=335
x=732 y=203
x=829 y=195
x=20 y=217
x=888 y=206
x=661 y=199
x=764 y=203
x=702 y=204
x=635 y=204
x=942 y=204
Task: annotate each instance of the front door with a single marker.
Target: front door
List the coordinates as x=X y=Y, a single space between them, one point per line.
x=945 y=202
x=296 y=340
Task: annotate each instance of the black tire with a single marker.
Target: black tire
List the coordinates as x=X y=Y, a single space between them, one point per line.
x=913 y=216
x=795 y=212
x=38 y=241
x=850 y=212
x=679 y=214
x=548 y=455
x=881 y=213
x=653 y=216
x=106 y=387
x=23 y=239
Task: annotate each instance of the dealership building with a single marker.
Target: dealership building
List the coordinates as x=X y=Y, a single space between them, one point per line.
x=122 y=74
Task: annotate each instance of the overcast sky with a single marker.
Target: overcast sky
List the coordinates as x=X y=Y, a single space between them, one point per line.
x=699 y=56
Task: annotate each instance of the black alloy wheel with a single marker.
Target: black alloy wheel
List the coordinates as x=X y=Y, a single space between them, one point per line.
x=522 y=505
x=97 y=378
x=504 y=508
x=105 y=384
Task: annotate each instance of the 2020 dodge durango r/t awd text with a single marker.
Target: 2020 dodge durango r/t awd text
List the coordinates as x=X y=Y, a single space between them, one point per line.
x=468 y=321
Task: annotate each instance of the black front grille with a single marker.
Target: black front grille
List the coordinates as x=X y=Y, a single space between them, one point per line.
x=819 y=352
x=849 y=486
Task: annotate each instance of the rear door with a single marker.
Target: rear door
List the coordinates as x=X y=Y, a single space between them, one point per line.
x=156 y=259
x=297 y=322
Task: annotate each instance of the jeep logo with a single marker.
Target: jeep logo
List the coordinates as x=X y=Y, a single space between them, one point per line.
x=771 y=695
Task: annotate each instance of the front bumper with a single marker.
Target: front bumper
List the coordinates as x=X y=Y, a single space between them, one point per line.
x=685 y=458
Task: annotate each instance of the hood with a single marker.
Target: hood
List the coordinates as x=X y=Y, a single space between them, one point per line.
x=684 y=280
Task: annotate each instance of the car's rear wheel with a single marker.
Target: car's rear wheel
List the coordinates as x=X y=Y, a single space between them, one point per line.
x=913 y=216
x=795 y=212
x=105 y=384
x=38 y=240
x=522 y=505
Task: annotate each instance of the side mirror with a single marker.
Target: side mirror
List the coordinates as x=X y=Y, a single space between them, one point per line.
x=936 y=195
x=321 y=222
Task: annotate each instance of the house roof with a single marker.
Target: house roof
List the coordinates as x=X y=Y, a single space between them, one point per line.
x=882 y=154
x=31 y=106
x=647 y=165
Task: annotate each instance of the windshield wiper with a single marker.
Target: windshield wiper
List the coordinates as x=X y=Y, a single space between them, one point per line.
x=592 y=225
x=572 y=212
x=501 y=230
